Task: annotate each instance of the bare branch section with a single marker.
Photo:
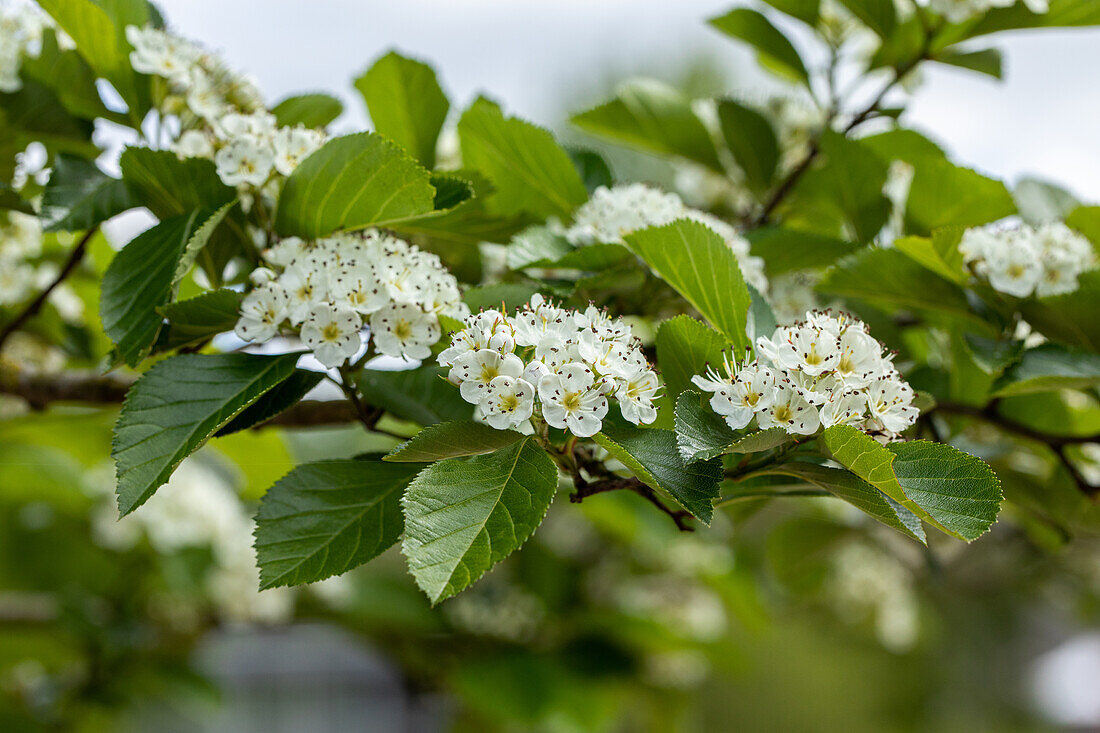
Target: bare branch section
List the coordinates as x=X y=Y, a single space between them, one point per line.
x=89 y=388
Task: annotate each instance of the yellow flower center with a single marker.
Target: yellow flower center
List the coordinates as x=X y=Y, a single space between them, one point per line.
x=487 y=372
x=331 y=332
x=783 y=413
x=571 y=401
x=402 y=329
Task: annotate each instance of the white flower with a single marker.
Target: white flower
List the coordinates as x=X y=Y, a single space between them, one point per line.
x=262 y=311
x=193 y=144
x=569 y=400
x=205 y=98
x=358 y=289
x=245 y=160
x=404 y=330
x=293 y=145
x=161 y=54
x=538 y=320
x=737 y=398
x=806 y=349
x=790 y=411
x=1016 y=269
x=890 y=402
x=473 y=372
x=635 y=395
x=509 y=402
x=332 y=333
x=843 y=408
x=304 y=288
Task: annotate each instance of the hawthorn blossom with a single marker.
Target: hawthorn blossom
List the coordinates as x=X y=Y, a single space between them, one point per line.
x=332 y=333
x=509 y=402
x=262 y=311
x=571 y=401
x=1027 y=261
x=405 y=330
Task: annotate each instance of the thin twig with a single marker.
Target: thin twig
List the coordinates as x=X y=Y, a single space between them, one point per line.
x=35 y=305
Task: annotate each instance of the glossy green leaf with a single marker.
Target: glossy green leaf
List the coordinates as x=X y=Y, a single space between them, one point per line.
x=878 y=15
x=422 y=395
x=1050 y=367
x=808 y=11
x=139 y=280
x=751 y=139
x=68 y=75
x=939 y=253
x=168 y=186
x=700 y=433
x=702 y=268
x=685 y=347
x=785 y=250
x=406 y=104
x=858 y=493
x=943 y=194
x=197 y=319
x=761 y=440
x=654 y=457
x=323 y=519
x=985 y=61
x=1069 y=318
x=276 y=400
x=530 y=171
x=956 y=489
x=175 y=407
x=652 y=116
x=464 y=515
x=452 y=440
x=754 y=29
x=352 y=182
x=308 y=110
x=79 y=196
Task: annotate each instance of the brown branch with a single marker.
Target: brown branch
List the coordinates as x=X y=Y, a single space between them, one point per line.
x=35 y=305
x=780 y=193
x=1057 y=443
x=584 y=489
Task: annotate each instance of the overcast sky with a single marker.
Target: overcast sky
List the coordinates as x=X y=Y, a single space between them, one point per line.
x=534 y=55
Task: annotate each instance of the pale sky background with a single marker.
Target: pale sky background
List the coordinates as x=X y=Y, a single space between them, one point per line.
x=535 y=55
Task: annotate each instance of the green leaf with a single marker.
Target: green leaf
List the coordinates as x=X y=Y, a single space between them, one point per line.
x=1061 y=14
x=684 y=348
x=308 y=110
x=890 y=277
x=452 y=440
x=464 y=515
x=69 y=76
x=958 y=490
x=785 y=250
x=422 y=395
x=1070 y=317
x=844 y=187
x=653 y=116
x=278 y=399
x=197 y=319
x=168 y=186
x=751 y=139
x=405 y=103
x=943 y=194
x=1086 y=220
x=592 y=167
x=535 y=246
x=530 y=171
x=352 y=182
x=858 y=493
x=99 y=31
x=79 y=196
x=700 y=433
x=939 y=253
x=1040 y=202
x=323 y=519
x=985 y=61
x=954 y=492
x=499 y=296
x=1050 y=367
x=761 y=440
x=878 y=15
x=654 y=457
x=175 y=407
x=808 y=11
x=140 y=279
x=697 y=263
x=773 y=47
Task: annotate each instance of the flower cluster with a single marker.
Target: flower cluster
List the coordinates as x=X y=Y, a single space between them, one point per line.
x=222 y=112
x=565 y=362
x=21 y=272
x=824 y=371
x=1025 y=260
x=613 y=213
x=959 y=11
x=329 y=289
x=21 y=27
